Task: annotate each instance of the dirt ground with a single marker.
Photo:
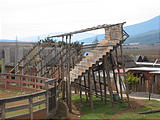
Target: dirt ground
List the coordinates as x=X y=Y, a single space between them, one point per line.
x=13 y=91
x=63 y=113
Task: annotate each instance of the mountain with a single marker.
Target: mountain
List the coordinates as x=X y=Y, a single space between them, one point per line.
x=143 y=27
x=145 y=38
x=147 y=32
x=91 y=39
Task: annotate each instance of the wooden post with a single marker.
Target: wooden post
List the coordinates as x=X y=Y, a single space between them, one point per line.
x=99 y=77
x=2 y=111
x=21 y=83
x=109 y=80
x=95 y=87
x=85 y=85
x=31 y=108
x=47 y=98
x=62 y=71
x=104 y=81
x=120 y=80
x=80 y=80
x=35 y=85
x=90 y=88
x=63 y=90
x=114 y=76
x=151 y=86
x=68 y=72
x=3 y=62
x=5 y=79
x=124 y=74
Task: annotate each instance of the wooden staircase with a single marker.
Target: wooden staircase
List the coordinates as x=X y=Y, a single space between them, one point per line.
x=104 y=47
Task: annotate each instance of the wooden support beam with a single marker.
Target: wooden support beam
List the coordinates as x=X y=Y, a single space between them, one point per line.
x=95 y=87
x=99 y=77
x=90 y=88
x=87 y=29
x=114 y=75
x=109 y=80
x=124 y=74
x=104 y=81
x=80 y=82
x=31 y=108
x=85 y=87
x=120 y=80
x=68 y=72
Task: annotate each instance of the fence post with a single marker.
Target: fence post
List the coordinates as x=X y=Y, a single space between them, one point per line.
x=31 y=108
x=2 y=111
x=56 y=94
x=47 y=98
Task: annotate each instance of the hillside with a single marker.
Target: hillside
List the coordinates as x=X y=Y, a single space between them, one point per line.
x=151 y=37
x=147 y=32
x=143 y=27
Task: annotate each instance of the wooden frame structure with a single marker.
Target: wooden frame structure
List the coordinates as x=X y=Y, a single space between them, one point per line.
x=72 y=69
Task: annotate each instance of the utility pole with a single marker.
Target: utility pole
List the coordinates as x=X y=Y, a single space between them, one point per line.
x=16 y=54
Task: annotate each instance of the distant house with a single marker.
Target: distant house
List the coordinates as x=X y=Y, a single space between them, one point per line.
x=128 y=61
x=149 y=79
x=140 y=58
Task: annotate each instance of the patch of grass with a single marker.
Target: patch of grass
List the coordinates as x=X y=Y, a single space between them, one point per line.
x=105 y=111
x=101 y=110
x=152 y=104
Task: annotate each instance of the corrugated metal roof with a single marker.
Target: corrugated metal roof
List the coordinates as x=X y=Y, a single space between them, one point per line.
x=145 y=69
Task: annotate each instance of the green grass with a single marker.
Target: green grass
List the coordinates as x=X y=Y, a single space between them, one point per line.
x=105 y=111
x=153 y=104
x=101 y=110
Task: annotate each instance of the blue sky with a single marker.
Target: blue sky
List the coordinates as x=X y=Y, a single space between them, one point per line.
x=24 y=18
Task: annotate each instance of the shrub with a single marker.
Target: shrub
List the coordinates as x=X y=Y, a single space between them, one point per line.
x=131 y=79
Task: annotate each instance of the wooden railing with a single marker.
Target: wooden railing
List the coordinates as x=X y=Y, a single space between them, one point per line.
x=23 y=81
x=47 y=92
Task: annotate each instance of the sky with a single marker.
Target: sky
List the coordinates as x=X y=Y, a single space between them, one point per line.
x=25 y=18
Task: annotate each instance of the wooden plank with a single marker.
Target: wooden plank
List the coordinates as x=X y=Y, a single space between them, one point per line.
x=20 y=107
x=149 y=111
x=24 y=57
x=87 y=29
x=13 y=99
